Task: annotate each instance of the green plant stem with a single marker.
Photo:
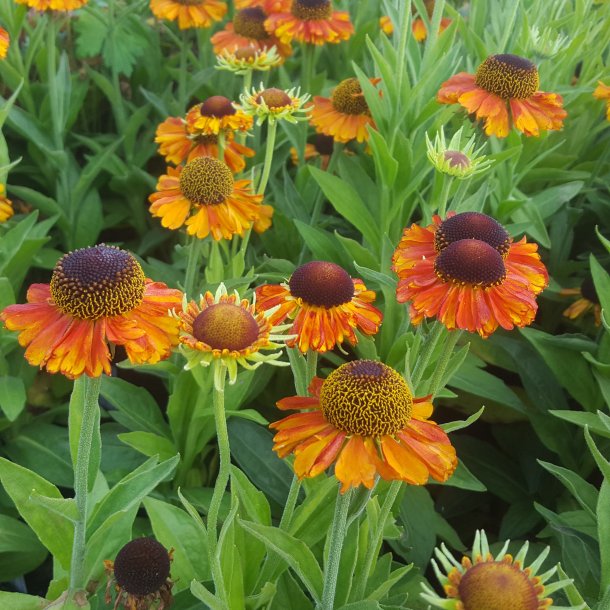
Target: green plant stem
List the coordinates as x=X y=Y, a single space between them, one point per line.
x=221 y=145
x=312 y=368
x=271 y=132
x=337 y=536
x=56 y=111
x=376 y=539
x=184 y=46
x=441 y=365
x=425 y=354
x=309 y=52
x=81 y=476
x=222 y=480
x=191 y=277
x=442 y=202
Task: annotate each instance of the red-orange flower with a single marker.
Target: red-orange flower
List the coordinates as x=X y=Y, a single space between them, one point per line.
x=97 y=296
x=5 y=41
x=54 y=5
x=327 y=305
x=418 y=27
x=602 y=92
x=468 y=272
x=269 y=6
x=311 y=22
x=178 y=142
x=503 y=83
x=363 y=418
x=345 y=115
x=588 y=300
x=247 y=31
x=189 y=13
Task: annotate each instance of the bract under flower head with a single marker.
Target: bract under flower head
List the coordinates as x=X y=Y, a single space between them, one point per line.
x=241 y=61
x=275 y=104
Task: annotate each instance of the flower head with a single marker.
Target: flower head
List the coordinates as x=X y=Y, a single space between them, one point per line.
x=455 y=159
x=6 y=205
x=216 y=114
x=320 y=147
x=189 y=13
x=345 y=115
x=482 y=582
x=311 y=22
x=269 y=6
x=326 y=304
x=5 y=41
x=274 y=104
x=602 y=92
x=468 y=272
x=588 y=301
x=54 y=5
x=204 y=195
x=363 y=418
x=97 y=296
x=140 y=574
x=241 y=61
x=503 y=83
x=228 y=329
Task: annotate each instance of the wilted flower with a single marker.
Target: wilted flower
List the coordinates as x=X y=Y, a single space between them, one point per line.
x=274 y=104
x=455 y=159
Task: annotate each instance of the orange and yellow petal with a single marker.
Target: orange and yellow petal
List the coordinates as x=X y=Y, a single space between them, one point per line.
x=420 y=31
x=213 y=125
x=6 y=206
x=269 y=6
x=602 y=92
x=342 y=127
x=5 y=41
x=524 y=261
x=453 y=88
x=192 y=15
x=172 y=137
x=66 y=5
x=270 y=296
x=168 y=202
x=540 y=112
x=39 y=5
x=487 y=106
x=386 y=25
x=286 y=27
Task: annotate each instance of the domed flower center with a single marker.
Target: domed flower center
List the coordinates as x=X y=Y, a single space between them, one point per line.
x=587 y=290
x=497 y=585
x=248 y=52
x=142 y=566
x=347 y=97
x=457 y=159
x=206 y=180
x=206 y=138
x=472 y=262
x=217 y=106
x=97 y=282
x=508 y=76
x=250 y=22
x=274 y=98
x=323 y=284
x=366 y=397
x=226 y=326
x=472 y=225
x=307 y=10
x=324 y=144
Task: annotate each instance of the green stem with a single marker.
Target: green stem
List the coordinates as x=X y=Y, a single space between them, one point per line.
x=222 y=480
x=425 y=354
x=441 y=365
x=221 y=145
x=307 y=67
x=312 y=368
x=377 y=538
x=191 y=277
x=184 y=46
x=81 y=476
x=271 y=132
x=56 y=111
x=337 y=536
x=442 y=203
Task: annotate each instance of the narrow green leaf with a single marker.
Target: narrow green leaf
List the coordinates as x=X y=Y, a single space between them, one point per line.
x=585 y=493
x=21 y=601
x=12 y=396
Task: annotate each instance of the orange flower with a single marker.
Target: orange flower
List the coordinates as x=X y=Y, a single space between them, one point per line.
x=97 y=296
x=54 y=5
x=269 y=6
x=311 y=22
x=189 y=13
x=204 y=195
x=5 y=40
x=247 y=31
x=386 y=25
x=363 y=418
x=321 y=147
x=588 y=301
x=602 y=92
x=468 y=272
x=327 y=305
x=6 y=205
x=178 y=143
x=503 y=83
x=215 y=114
x=345 y=115
x=420 y=31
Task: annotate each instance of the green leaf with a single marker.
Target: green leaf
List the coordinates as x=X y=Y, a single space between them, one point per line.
x=322 y=244
x=149 y=444
x=601 y=279
x=462 y=478
x=206 y=596
x=20 y=550
x=64 y=507
x=254 y=503
x=20 y=601
x=294 y=552
x=53 y=531
x=603 y=533
x=12 y=396
x=589 y=420
x=602 y=463
x=459 y=425
x=585 y=493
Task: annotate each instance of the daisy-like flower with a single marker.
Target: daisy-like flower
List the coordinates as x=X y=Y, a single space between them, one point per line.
x=363 y=418
x=5 y=41
x=468 y=272
x=223 y=327
x=588 y=300
x=274 y=104
x=602 y=92
x=326 y=304
x=248 y=30
x=6 y=205
x=54 y=5
x=269 y=6
x=189 y=13
x=179 y=142
x=311 y=22
x=242 y=61
x=97 y=296
x=482 y=582
x=204 y=195
x=453 y=158
x=140 y=574
x=216 y=114
x=320 y=148
x=503 y=83
x=345 y=115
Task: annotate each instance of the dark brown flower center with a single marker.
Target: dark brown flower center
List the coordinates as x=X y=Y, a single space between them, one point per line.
x=322 y=284
x=206 y=180
x=250 y=22
x=347 y=97
x=366 y=397
x=226 y=326
x=457 y=159
x=142 y=566
x=308 y=10
x=97 y=282
x=206 y=138
x=248 y=52
x=497 y=585
x=472 y=262
x=274 y=98
x=324 y=144
x=472 y=225
x=217 y=106
x=508 y=76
